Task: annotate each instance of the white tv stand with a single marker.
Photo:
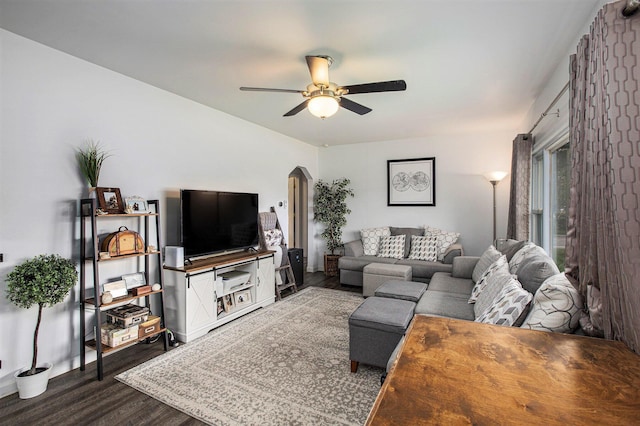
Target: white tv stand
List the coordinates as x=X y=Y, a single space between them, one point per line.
x=195 y=295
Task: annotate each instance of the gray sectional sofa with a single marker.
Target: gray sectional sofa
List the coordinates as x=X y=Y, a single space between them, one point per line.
x=351 y=265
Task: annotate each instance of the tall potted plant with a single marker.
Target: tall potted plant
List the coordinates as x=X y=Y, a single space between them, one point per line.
x=44 y=280
x=330 y=209
x=90 y=159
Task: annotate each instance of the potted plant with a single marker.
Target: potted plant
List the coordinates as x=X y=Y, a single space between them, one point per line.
x=90 y=159
x=44 y=280
x=330 y=209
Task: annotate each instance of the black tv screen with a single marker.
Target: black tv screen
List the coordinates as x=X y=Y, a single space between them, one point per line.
x=214 y=221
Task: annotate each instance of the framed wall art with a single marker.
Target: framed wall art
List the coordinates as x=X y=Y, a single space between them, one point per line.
x=411 y=182
x=110 y=200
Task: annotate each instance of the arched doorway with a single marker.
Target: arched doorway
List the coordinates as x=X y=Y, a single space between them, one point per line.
x=299 y=180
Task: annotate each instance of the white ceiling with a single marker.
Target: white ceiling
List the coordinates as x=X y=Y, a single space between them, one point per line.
x=470 y=65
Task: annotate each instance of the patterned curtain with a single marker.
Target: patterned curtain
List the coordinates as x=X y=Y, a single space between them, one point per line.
x=519 y=209
x=603 y=236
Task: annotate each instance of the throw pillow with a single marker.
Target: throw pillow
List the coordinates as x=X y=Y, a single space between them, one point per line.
x=535 y=269
x=371 y=239
x=509 y=247
x=482 y=281
x=446 y=239
x=409 y=232
x=508 y=306
x=489 y=256
x=424 y=248
x=520 y=255
x=273 y=237
x=556 y=306
x=496 y=280
x=392 y=247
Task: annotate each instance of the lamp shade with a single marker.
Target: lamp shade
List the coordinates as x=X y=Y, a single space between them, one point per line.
x=495 y=176
x=323 y=106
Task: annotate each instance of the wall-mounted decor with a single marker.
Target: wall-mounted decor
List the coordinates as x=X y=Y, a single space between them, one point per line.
x=411 y=182
x=110 y=200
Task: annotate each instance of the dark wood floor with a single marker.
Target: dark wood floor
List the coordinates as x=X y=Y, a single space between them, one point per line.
x=78 y=398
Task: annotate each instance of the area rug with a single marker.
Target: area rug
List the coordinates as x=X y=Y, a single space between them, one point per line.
x=286 y=364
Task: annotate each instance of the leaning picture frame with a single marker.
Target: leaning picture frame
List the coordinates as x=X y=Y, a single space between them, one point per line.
x=411 y=182
x=242 y=298
x=110 y=200
x=116 y=288
x=134 y=280
x=136 y=204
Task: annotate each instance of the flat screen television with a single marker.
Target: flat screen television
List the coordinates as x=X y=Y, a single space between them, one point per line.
x=215 y=221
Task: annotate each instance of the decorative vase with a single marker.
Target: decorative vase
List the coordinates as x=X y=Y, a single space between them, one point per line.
x=92 y=192
x=34 y=385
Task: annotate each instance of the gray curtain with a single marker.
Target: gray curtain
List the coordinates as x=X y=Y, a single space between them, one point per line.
x=603 y=236
x=519 y=209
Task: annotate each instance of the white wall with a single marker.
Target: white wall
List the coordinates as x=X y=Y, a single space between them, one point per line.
x=464 y=200
x=50 y=103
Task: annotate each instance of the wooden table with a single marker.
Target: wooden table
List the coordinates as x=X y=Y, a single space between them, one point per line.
x=452 y=372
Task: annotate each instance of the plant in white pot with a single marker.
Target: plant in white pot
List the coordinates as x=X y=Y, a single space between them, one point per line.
x=44 y=280
x=330 y=208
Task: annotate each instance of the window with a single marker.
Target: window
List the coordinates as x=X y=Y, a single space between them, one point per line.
x=560 y=183
x=550 y=182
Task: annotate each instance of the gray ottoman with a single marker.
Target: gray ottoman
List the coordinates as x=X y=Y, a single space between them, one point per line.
x=376 y=274
x=405 y=290
x=375 y=328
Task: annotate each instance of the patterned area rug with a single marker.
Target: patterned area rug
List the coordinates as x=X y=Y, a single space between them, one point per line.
x=282 y=365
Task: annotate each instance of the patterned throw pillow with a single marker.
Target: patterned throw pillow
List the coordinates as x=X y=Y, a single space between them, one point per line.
x=520 y=256
x=424 y=248
x=445 y=239
x=392 y=247
x=371 y=239
x=487 y=259
x=273 y=237
x=496 y=280
x=556 y=306
x=507 y=307
x=482 y=282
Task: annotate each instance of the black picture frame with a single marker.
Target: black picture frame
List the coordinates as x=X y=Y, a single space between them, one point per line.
x=110 y=200
x=411 y=182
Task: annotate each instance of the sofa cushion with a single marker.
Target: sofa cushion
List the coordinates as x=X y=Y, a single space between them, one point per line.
x=489 y=256
x=424 y=248
x=556 y=306
x=510 y=247
x=482 y=282
x=371 y=239
x=424 y=269
x=521 y=254
x=445 y=304
x=358 y=263
x=403 y=290
x=453 y=251
x=392 y=246
x=535 y=269
x=445 y=239
x=508 y=305
x=495 y=281
x=408 y=232
x=443 y=281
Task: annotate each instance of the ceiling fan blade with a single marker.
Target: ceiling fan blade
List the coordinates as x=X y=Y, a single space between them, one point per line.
x=263 y=89
x=354 y=106
x=319 y=69
x=297 y=109
x=383 y=86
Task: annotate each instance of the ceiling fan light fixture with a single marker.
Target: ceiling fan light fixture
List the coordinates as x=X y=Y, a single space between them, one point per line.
x=323 y=106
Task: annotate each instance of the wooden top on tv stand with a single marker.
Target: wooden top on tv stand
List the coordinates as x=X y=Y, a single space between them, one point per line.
x=217 y=261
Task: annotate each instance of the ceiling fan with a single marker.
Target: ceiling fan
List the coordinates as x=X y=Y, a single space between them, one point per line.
x=323 y=97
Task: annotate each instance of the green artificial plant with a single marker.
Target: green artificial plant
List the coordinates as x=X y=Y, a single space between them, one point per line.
x=90 y=159
x=330 y=209
x=44 y=280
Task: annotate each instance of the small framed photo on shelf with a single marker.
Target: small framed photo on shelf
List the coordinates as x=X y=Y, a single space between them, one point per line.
x=220 y=306
x=228 y=302
x=136 y=204
x=110 y=200
x=242 y=298
x=134 y=280
x=116 y=288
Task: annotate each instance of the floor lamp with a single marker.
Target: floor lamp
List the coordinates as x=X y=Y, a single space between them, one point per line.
x=494 y=178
